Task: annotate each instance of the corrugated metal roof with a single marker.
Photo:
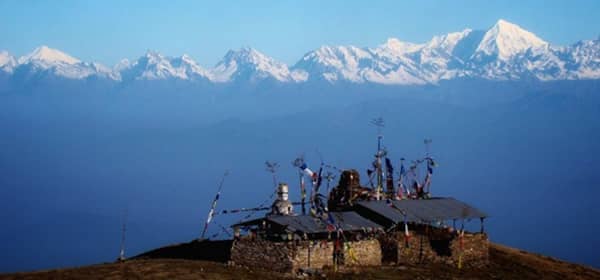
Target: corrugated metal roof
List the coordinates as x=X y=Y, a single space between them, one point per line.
x=423 y=210
x=349 y=221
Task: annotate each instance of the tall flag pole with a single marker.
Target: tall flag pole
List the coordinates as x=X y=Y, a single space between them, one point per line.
x=427 y=183
x=211 y=213
x=378 y=122
x=123 y=231
x=389 y=179
x=406 y=233
x=319 y=179
x=401 y=187
x=302 y=193
x=305 y=171
x=414 y=180
x=430 y=165
x=329 y=176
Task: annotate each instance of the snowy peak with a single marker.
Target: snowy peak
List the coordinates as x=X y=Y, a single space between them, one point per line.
x=400 y=47
x=385 y=64
x=59 y=64
x=189 y=65
x=506 y=39
x=504 y=52
x=337 y=57
x=123 y=64
x=155 y=66
x=48 y=55
x=335 y=63
x=447 y=43
x=7 y=61
x=151 y=66
x=153 y=57
x=584 y=57
x=251 y=65
x=184 y=60
x=396 y=51
x=153 y=60
x=246 y=55
x=5 y=58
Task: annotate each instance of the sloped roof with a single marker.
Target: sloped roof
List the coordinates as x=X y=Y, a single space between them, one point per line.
x=422 y=210
x=349 y=221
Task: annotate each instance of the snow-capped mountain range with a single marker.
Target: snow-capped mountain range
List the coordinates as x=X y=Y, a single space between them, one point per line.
x=504 y=52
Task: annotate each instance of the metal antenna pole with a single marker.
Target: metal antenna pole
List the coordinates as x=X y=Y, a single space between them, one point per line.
x=427 y=144
x=272 y=168
x=123 y=230
x=329 y=176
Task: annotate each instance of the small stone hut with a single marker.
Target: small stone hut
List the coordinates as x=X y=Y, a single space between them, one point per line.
x=289 y=243
x=424 y=230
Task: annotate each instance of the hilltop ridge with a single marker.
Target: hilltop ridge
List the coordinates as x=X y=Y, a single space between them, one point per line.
x=505 y=263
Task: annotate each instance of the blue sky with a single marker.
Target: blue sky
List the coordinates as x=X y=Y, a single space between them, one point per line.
x=107 y=31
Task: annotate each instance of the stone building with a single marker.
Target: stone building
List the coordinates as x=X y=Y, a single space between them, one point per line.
x=362 y=229
x=376 y=232
x=288 y=243
x=425 y=230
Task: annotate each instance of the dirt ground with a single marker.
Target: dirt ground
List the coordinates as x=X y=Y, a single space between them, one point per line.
x=505 y=263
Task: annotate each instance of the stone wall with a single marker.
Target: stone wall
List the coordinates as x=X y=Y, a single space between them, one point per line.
x=317 y=253
x=290 y=256
x=366 y=252
x=262 y=254
x=423 y=248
